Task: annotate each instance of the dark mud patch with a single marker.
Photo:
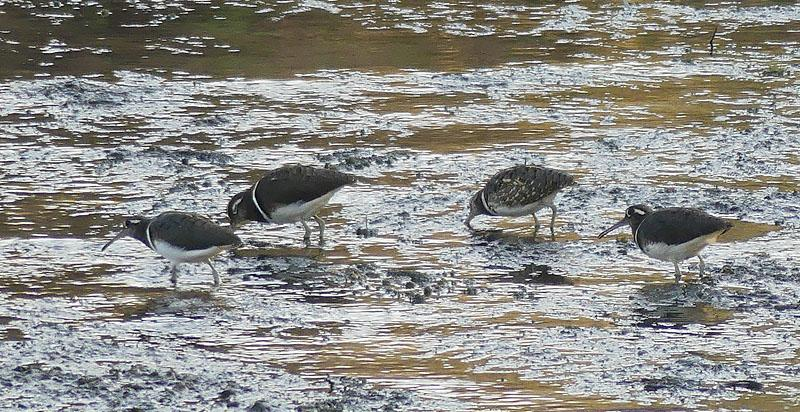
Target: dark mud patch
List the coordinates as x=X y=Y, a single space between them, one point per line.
x=157 y=179
x=730 y=290
x=212 y=120
x=355 y=394
x=305 y=279
x=417 y=287
x=676 y=316
x=690 y=290
x=366 y=232
x=357 y=159
x=321 y=282
x=193 y=304
x=266 y=250
x=8 y=333
x=76 y=92
x=178 y=159
x=539 y=275
x=138 y=365
x=132 y=386
x=758 y=270
x=671 y=384
x=745 y=385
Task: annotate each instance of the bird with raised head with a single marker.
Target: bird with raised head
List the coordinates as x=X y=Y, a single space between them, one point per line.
x=672 y=234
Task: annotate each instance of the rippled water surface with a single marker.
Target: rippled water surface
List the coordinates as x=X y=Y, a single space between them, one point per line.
x=110 y=109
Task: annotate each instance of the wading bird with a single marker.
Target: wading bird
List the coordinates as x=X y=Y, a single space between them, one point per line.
x=673 y=234
x=520 y=191
x=292 y=193
x=180 y=238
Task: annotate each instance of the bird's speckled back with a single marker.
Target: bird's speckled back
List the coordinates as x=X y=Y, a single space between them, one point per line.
x=522 y=185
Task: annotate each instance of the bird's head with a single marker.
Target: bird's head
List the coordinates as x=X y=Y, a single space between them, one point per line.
x=132 y=225
x=236 y=210
x=634 y=215
x=476 y=208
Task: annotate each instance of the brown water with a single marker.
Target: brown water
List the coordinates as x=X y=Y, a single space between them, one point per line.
x=109 y=109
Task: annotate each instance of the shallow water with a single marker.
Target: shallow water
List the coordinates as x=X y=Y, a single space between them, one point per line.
x=111 y=109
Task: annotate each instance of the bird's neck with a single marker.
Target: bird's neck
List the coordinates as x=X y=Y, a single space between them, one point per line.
x=480 y=204
x=635 y=223
x=251 y=209
x=140 y=233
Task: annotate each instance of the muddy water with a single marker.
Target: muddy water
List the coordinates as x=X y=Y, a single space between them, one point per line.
x=109 y=109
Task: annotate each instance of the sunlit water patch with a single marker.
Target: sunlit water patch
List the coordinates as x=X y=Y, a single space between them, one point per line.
x=177 y=106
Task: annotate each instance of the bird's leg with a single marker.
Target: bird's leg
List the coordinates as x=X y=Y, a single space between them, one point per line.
x=308 y=230
x=321 y=224
x=173 y=270
x=703 y=277
x=553 y=222
x=214 y=272
x=536 y=226
x=677 y=273
x=702 y=267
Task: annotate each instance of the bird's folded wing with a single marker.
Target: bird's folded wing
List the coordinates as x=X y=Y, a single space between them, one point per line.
x=674 y=226
x=291 y=184
x=191 y=232
x=521 y=186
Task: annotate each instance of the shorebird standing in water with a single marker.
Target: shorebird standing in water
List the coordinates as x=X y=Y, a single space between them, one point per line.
x=292 y=193
x=673 y=234
x=520 y=191
x=181 y=238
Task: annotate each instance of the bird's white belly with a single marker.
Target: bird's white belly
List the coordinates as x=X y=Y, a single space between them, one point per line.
x=679 y=252
x=298 y=211
x=178 y=255
x=524 y=210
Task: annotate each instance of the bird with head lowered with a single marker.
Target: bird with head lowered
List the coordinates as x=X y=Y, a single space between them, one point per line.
x=520 y=191
x=292 y=193
x=181 y=238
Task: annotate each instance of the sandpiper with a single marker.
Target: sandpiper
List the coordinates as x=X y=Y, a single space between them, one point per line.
x=672 y=234
x=181 y=238
x=519 y=191
x=292 y=193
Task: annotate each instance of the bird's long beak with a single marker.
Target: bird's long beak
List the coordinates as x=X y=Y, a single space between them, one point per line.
x=619 y=224
x=119 y=235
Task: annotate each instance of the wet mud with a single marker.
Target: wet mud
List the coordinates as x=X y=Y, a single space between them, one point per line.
x=136 y=108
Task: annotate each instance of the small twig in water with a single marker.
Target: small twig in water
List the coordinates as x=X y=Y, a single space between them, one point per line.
x=711 y=42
